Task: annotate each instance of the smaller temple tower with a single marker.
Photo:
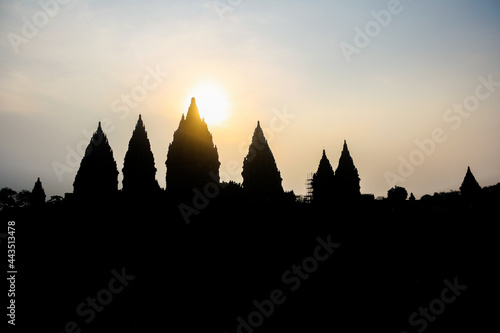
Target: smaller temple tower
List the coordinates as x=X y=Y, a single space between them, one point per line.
x=139 y=172
x=470 y=188
x=38 y=194
x=346 y=177
x=323 y=181
x=98 y=174
x=261 y=177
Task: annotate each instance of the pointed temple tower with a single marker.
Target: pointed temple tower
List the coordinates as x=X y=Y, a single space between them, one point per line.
x=261 y=177
x=98 y=174
x=470 y=188
x=139 y=172
x=323 y=181
x=38 y=194
x=192 y=158
x=346 y=177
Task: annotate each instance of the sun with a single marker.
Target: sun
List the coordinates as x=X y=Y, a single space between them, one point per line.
x=212 y=101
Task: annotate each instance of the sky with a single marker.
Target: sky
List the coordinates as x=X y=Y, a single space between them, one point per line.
x=412 y=86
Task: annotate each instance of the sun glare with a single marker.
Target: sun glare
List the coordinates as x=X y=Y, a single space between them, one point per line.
x=212 y=101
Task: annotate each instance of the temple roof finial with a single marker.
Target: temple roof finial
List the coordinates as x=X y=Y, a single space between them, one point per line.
x=193 y=110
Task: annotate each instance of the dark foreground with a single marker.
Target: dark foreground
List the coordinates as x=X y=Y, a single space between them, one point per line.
x=252 y=267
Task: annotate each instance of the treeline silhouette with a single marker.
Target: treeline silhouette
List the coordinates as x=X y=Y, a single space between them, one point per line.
x=392 y=259
x=244 y=243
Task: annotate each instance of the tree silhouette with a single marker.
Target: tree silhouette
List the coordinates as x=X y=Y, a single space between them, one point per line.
x=398 y=193
x=23 y=198
x=323 y=181
x=470 y=188
x=139 y=172
x=231 y=191
x=7 y=198
x=38 y=194
x=261 y=177
x=346 y=177
x=492 y=192
x=98 y=174
x=55 y=200
x=192 y=158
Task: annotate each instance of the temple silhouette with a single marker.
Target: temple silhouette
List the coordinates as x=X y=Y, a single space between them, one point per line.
x=323 y=182
x=261 y=177
x=193 y=162
x=342 y=185
x=208 y=255
x=470 y=188
x=98 y=173
x=38 y=194
x=192 y=159
x=139 y=171
x=193 y=167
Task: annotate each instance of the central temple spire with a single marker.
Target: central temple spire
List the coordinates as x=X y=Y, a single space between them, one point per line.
x=192 y=158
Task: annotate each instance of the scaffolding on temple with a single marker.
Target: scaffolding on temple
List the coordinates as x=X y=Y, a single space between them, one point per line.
x=309 y=189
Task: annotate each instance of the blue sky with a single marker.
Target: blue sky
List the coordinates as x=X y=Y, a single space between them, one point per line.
x=269 y=58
